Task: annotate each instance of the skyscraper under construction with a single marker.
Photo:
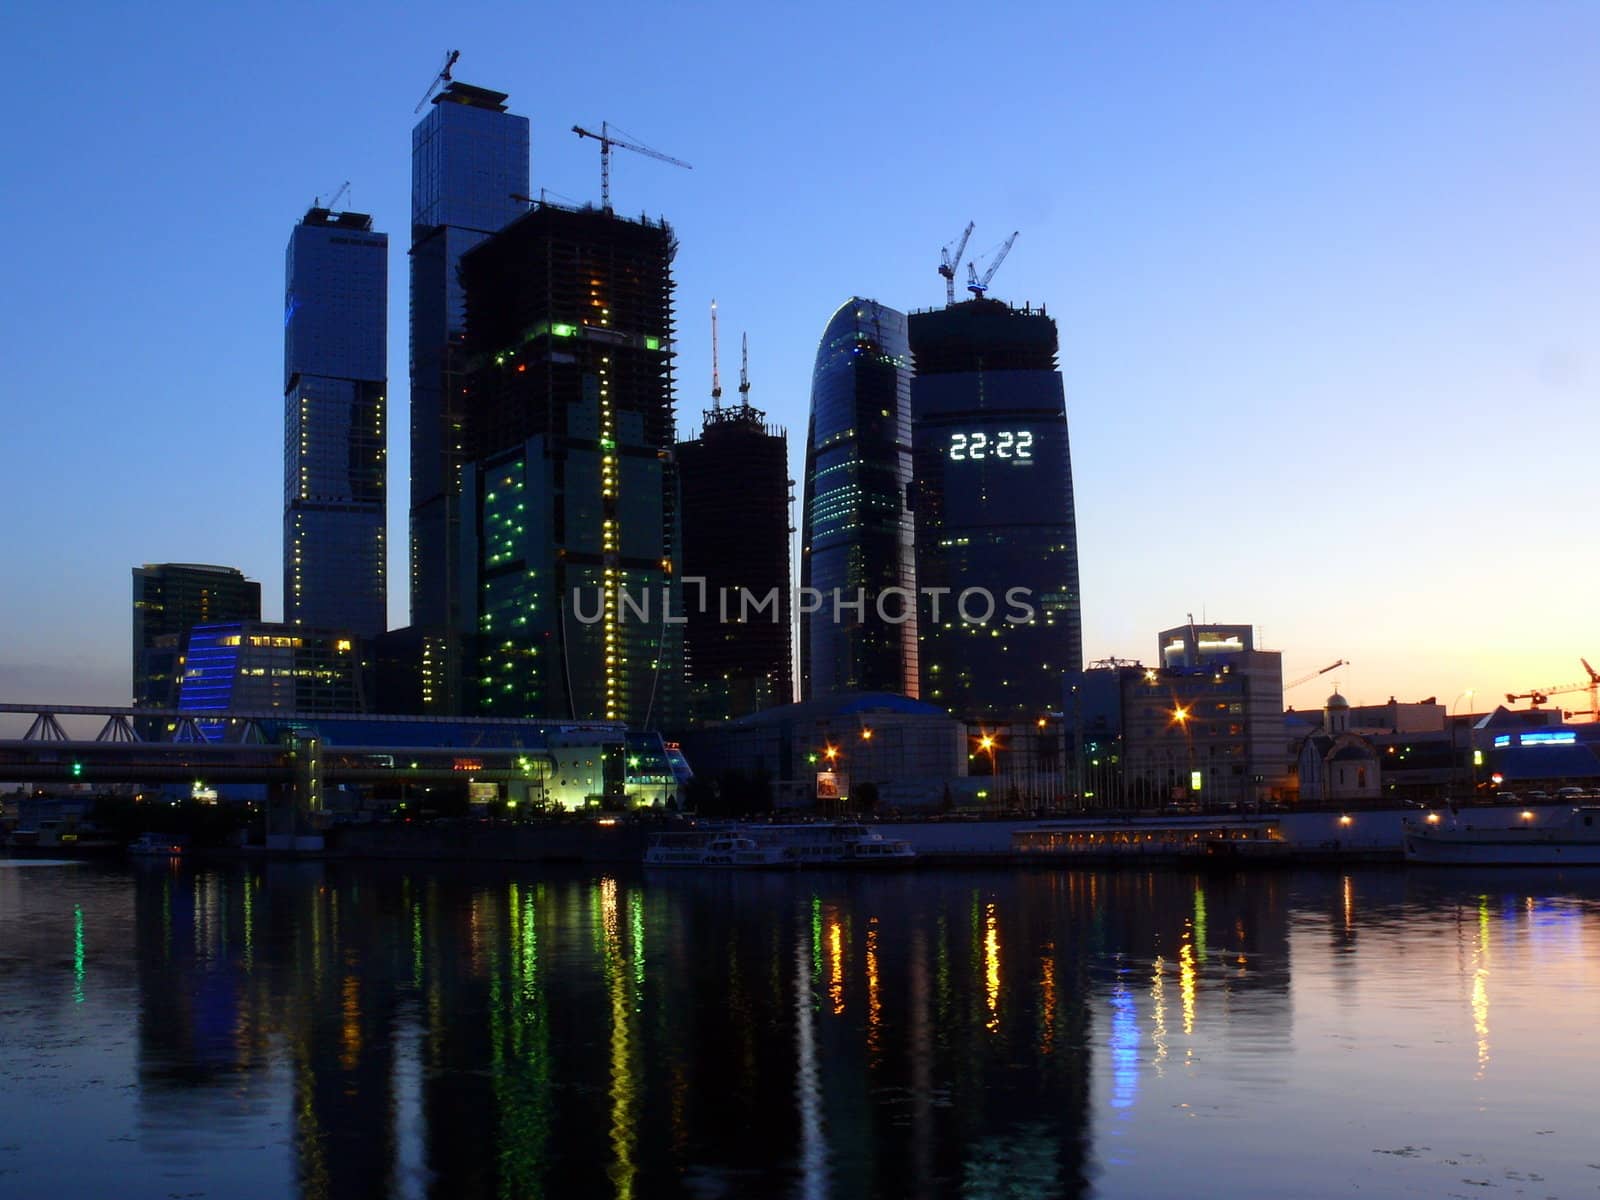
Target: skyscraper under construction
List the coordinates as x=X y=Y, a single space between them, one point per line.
x=569 y=550
x=736 y=593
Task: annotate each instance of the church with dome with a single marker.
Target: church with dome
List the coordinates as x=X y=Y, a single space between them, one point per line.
x=1336 y=765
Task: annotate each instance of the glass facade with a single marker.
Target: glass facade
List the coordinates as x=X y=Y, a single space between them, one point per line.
x=996 y=533
x=856 y=539
x=335 y=431
x=254 y=666
x=168 y=600
x=469 y=158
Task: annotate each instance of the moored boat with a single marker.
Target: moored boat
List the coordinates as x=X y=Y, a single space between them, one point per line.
x=1570 y=840
x=817 y=844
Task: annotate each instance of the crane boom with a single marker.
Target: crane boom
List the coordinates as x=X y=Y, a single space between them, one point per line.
x=1307 y=678
x=979 y=286
x=606 y=142
x=439 y=80
x=949 y=262
x=333 y=203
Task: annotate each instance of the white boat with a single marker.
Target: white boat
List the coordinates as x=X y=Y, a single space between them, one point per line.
x=156 y=845
x=710 y=848
x=819 y=844
x=1554 y=839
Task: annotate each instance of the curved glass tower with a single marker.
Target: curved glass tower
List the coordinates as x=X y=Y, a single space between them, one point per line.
x=856 y=536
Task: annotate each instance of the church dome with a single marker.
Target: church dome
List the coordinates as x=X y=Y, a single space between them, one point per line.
x=1336 y=701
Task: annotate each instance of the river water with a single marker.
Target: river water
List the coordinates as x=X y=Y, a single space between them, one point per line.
x=361 y=1030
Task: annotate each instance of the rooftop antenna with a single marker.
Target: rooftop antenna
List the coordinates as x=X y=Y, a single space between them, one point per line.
x=716 y=378
x=744 y=371
x=949 y=262
x=439 y=80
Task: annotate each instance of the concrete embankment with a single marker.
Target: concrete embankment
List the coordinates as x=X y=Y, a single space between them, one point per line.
x=1306 y=837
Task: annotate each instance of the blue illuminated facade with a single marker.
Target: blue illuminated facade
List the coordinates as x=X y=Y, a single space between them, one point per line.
x=469 y=158
x=255 y=666
x=856 y=538
x=335 y=430
x=996 y=529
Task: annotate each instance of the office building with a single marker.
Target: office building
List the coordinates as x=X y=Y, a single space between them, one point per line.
x=168 y=600
x=735 y=493
x=469 y=166
x=254 y=666
x=856 y=528
x=996 y=537
x=1202 y=729
x=335 y=430
x=569 y=539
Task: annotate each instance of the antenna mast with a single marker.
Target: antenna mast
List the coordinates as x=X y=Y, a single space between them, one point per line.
x=744 y=372
x=716 y=378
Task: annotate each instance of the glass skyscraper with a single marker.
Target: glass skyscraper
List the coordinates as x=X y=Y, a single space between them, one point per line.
x=469 y=162
x=169 y=599
x=856 y=538
x=996 y=532
x=335 y=431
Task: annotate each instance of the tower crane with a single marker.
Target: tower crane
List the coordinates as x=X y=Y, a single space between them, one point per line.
x=439 y=80
x=949 y=262
x=1540 y=696
x=1307 y=678
x=606 y=142
x=716 y=378
x=979 y=286
x=333 y=203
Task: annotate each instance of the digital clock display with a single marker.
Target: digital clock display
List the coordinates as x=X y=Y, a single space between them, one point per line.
x=1002 y=443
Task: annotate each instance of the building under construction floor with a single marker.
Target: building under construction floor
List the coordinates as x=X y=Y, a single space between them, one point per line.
x=569 y=534
x=735 y=487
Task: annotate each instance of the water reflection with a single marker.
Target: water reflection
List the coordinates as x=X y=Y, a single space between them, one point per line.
x=330 y=1031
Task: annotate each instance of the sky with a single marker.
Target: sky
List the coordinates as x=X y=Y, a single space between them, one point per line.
x=1324 y=276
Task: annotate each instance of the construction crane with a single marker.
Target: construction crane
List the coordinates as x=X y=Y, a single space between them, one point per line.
x=606 y=142
x=1542 y=695
x=1333 y=666
x=949 y=262
x=332 y=204
x=716 y=378
x=439 y=80
x=979 y=286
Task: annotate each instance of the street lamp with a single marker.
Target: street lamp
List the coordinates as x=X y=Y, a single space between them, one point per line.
x=1180 y=718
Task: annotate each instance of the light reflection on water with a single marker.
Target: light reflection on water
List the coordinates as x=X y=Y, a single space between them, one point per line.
x=336 y=1030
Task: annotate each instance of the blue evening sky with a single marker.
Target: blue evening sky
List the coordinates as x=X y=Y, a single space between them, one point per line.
x=1325 y=276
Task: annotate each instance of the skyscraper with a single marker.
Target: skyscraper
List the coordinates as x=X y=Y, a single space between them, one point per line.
x=169 y=599
x=996 y=531
x=569 y=536
x=335 y=369
x=469 y=162
x=735 y=487
x=856 y=539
